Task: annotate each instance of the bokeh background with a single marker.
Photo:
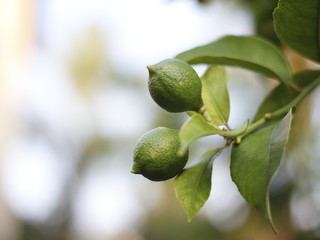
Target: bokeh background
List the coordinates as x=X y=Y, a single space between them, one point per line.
x=74 y=101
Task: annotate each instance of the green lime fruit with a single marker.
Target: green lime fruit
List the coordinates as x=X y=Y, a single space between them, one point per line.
x=175 y=86
x=156 y=155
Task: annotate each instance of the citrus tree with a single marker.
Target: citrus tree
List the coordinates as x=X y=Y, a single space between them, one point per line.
x=258 y=145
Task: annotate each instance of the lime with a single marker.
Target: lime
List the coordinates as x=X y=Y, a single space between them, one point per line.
x=156 y=155
x=175 y=86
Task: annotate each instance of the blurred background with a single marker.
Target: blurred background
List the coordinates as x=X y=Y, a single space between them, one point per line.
x=74 y=101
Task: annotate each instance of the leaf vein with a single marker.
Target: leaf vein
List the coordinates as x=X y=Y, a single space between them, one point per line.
x=219 y=112
x=197 y=183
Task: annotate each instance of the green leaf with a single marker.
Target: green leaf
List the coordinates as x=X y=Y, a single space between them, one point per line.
x=196 y=126
x=215 y=94
x=193 y=184
x=297 y=25
x=248 y=52
x=282 y=95
x=256 y=159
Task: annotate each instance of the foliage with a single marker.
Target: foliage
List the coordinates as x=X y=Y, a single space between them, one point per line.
x=193 y=184
x=303 y=35
x=258 y=146
x=248 y=52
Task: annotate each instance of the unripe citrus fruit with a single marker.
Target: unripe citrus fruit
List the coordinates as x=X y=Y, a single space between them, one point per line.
x=156 y=155
x=175 y=86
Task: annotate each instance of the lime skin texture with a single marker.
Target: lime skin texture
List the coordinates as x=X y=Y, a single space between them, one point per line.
x=156 y=155
x=175 y=86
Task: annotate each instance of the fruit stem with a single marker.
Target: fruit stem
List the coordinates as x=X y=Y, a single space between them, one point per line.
x=203 y=111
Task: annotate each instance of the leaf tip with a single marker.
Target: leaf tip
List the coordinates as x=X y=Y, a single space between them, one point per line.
x=272 y=225
x=275 y=230
x=190 y=216
x=269 y=215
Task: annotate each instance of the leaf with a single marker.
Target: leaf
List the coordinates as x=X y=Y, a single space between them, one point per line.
x=282 y=95
x=215 y=95
x=256 y=159
x=248 y=52
x=193 y=185
x=297 y=26
x=196 y=127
